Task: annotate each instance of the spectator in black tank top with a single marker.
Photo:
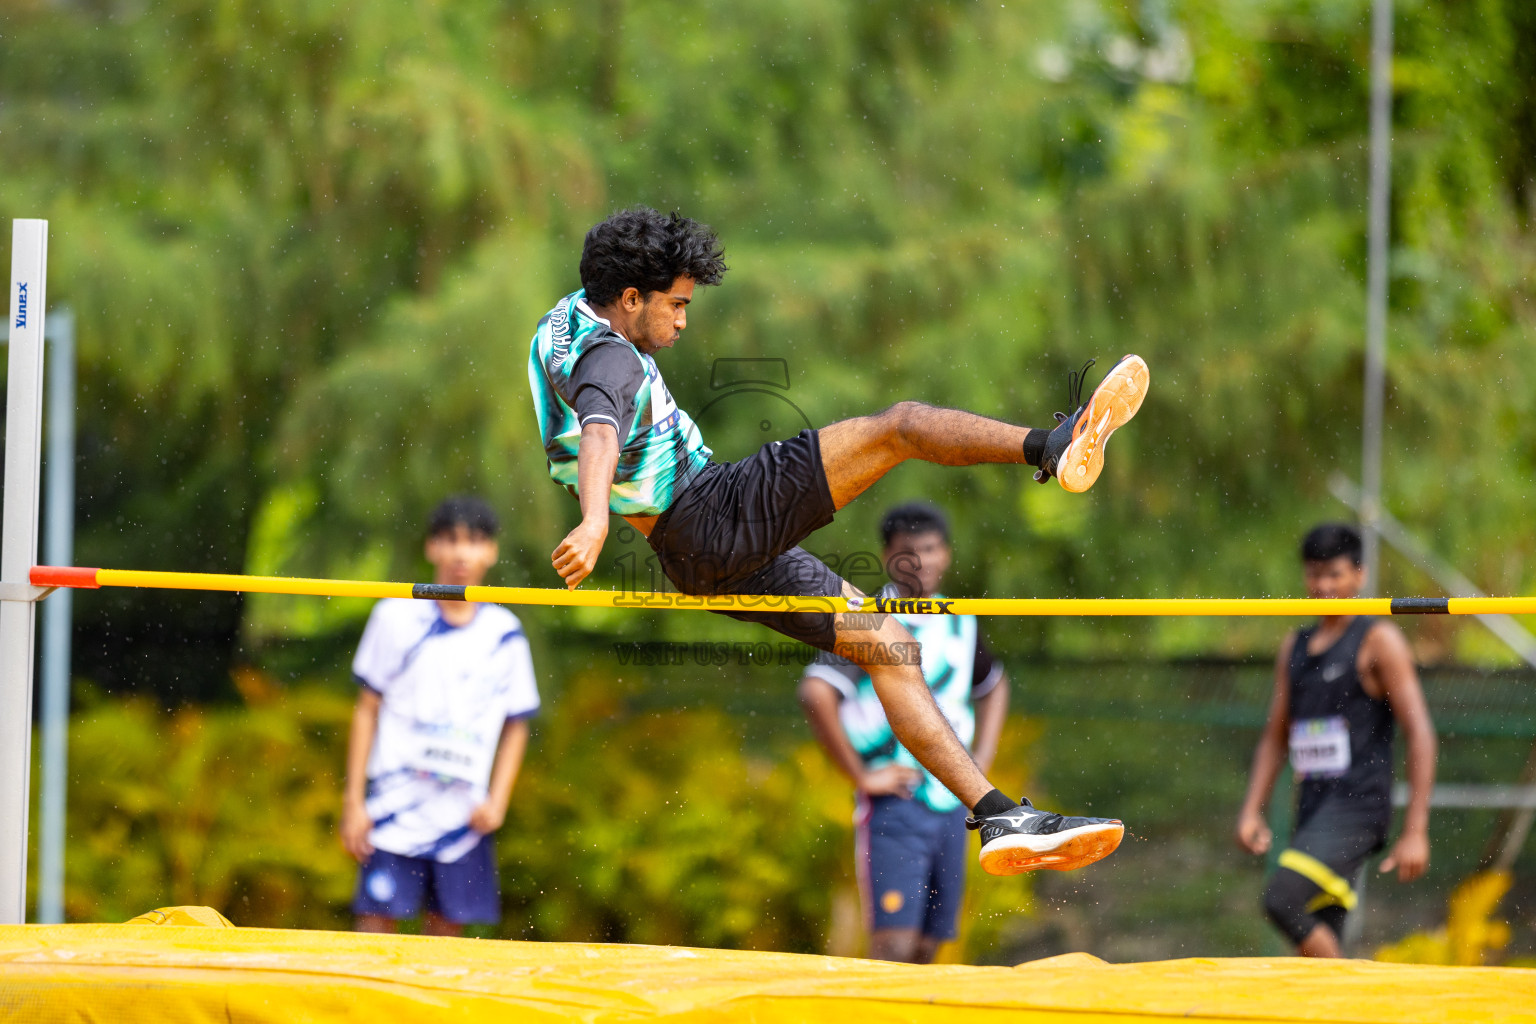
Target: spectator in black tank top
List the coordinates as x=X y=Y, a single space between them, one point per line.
x=1339 y=687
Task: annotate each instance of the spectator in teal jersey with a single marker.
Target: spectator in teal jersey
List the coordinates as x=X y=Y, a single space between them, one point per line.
x=910 y=844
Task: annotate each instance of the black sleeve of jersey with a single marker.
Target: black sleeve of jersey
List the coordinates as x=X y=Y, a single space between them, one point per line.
x=985 y=672
x=604 y=384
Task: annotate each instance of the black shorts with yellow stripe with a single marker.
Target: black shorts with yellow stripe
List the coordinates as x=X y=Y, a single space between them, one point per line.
x=1314 y=882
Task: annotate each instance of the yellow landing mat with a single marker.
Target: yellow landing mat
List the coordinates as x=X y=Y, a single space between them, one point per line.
x=188 y=972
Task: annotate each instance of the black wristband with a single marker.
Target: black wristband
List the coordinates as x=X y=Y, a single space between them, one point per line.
x=1034 y=445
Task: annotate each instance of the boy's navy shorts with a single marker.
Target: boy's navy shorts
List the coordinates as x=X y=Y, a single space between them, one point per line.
x=467 y=891
x=737 y=527
x=911 y=865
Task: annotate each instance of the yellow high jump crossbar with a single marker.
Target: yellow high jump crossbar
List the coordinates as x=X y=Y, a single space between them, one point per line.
x=68 y=576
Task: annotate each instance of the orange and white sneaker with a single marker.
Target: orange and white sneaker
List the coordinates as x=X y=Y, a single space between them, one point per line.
x=1029 y=839
x=1074 y=450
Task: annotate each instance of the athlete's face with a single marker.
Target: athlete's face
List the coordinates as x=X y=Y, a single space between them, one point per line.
x=1336 y=577
x=917 y=562
x=661 y=316
x=460 y=557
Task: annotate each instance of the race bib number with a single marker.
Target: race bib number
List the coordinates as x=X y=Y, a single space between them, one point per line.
x=1320 y=747
x=452 y=753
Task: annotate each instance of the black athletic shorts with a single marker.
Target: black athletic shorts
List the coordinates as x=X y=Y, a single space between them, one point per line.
x=737 y=527
x=1342 y=832
x=1318 y=871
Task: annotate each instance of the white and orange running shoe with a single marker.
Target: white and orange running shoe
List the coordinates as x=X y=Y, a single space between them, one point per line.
x=1029 y=839
x=1074 y=451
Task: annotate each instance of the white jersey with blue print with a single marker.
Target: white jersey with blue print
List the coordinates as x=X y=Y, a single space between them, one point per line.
x=959 y=671
x=446 y=693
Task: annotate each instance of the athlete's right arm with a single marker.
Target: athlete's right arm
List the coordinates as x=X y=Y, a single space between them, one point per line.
x=819 y=700
x=596 y=459
x=1253 y=833
x=355 y=823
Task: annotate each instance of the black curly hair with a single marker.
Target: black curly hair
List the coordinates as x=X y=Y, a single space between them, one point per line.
x=1328 y=541
x=463 y=510
x=913 y=519
x=644 y=249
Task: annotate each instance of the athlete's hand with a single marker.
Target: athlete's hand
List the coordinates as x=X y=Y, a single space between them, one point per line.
x=892 y=780
x=1253 y=833
x=355 y=826
x=576 y=556
x=1409 y=856
x=487 y=817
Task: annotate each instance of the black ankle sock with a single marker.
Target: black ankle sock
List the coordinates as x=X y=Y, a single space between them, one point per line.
x=1034 y=445
x=993 y=803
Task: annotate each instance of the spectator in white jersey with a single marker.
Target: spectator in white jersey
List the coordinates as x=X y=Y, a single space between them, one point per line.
x=911 y=835
x=446 y=689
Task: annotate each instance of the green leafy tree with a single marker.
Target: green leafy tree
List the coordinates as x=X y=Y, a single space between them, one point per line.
x=308 y=243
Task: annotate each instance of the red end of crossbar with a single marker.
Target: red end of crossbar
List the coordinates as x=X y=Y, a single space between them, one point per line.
x=64 y=576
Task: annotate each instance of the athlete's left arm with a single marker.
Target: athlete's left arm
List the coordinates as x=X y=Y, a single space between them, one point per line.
x=991 y=706
x=1391 y=665
x=596 y=458
x=991 y=710
x=488 y=817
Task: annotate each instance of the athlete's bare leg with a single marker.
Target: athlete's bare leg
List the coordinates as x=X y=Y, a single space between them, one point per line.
x=882 y=647
x=1320 y=942
x=854 y=454
x=436 y=924
x=902 y=945
x=857 y=452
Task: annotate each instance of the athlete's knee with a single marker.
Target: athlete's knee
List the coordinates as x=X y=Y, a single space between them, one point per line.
x=1285 y=903
x=910 y=414
x=1334 y=917
x=887 y=650
x=903 y=412
x=899 y=945
x=901 y=422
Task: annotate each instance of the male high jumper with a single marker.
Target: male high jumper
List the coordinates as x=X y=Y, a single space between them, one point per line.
x=618 y=442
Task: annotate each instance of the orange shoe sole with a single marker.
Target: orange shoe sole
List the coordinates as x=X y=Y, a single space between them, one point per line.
x=1072 y=849
x=1113 y=403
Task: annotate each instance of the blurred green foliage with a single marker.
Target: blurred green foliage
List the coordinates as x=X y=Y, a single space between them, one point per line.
x=625 y=826
x=229 y=808
x=689 y=806
x=307 y=244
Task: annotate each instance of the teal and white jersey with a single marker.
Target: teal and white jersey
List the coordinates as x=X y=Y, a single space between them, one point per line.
x=581 y=370
x=959 y=670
